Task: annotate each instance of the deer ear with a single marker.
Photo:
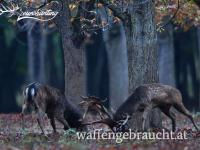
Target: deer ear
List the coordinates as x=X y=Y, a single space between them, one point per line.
x=25 y=91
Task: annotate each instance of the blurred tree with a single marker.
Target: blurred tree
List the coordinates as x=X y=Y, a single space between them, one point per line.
x=186 y=73
x=97 y=67
x=118 y=64
x=184 y=14
x=115 y=42
x=54 y=61
x=37 y=45
x=166 y=56
x=197 y=64
x=13 y=66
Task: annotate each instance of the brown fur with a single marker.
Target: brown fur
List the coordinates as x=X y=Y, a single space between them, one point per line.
x=149 y=96
x=94 y=104
x=53 y=102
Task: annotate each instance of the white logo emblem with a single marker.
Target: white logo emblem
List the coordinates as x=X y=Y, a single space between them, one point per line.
x=40 y=14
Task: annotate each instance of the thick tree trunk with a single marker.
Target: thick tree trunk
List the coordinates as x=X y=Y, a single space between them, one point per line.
x=74 y=58
x=142 y=53
x=118 y=64
x=166 y=56
x=74 y=68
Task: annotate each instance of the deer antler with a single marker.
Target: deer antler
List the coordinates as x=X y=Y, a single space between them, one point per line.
x=121 y=123
x=6 y=9
x=97 y=98
x=95 y=103
x=112 y=124
x=124 y=121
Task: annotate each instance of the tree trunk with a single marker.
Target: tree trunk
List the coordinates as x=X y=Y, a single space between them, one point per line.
x=36 y=52
x=115 y=41
x=118 y=64
x=186 y=55
x=197 y=64
x=8 y=72
x=142 y=53
x=97 y=68
x=166 y=56
x=74 y=58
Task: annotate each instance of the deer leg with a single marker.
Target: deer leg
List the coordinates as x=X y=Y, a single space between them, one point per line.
x=40 y=125
x=144 y=116
x=171 y=115
x=24 y=107
x=52 y=121
x=62 y=120
x=39 y=120
x=181 y=108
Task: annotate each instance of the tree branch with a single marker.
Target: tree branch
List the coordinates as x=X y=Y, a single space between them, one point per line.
x=172 y=17
x=116 y=10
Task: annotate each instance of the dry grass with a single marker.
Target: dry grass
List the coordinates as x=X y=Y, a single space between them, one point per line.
x=13 y=137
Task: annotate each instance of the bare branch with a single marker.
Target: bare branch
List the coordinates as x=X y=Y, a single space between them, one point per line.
x=115 y=9
x=172 y=17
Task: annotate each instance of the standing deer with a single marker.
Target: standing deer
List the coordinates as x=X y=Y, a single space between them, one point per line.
x=49 y=100
x=147 y=97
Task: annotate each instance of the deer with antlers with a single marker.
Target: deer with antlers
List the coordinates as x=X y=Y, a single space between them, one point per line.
x=145 y=98
x=49 y=100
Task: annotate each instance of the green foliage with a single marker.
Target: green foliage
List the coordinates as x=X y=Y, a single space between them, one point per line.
x=69 y=132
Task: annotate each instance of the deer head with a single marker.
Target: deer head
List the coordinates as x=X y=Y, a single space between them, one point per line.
x=96 y=104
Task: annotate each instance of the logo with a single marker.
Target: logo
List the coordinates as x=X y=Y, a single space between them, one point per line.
x=40 y=14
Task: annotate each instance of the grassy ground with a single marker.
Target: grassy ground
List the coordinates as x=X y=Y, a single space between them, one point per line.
x=12 y=137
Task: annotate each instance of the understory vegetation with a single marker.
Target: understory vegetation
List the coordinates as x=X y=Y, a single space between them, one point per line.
x=12 y=136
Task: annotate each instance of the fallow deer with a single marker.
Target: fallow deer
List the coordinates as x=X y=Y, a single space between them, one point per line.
x=147 y=97
x=49 y=100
